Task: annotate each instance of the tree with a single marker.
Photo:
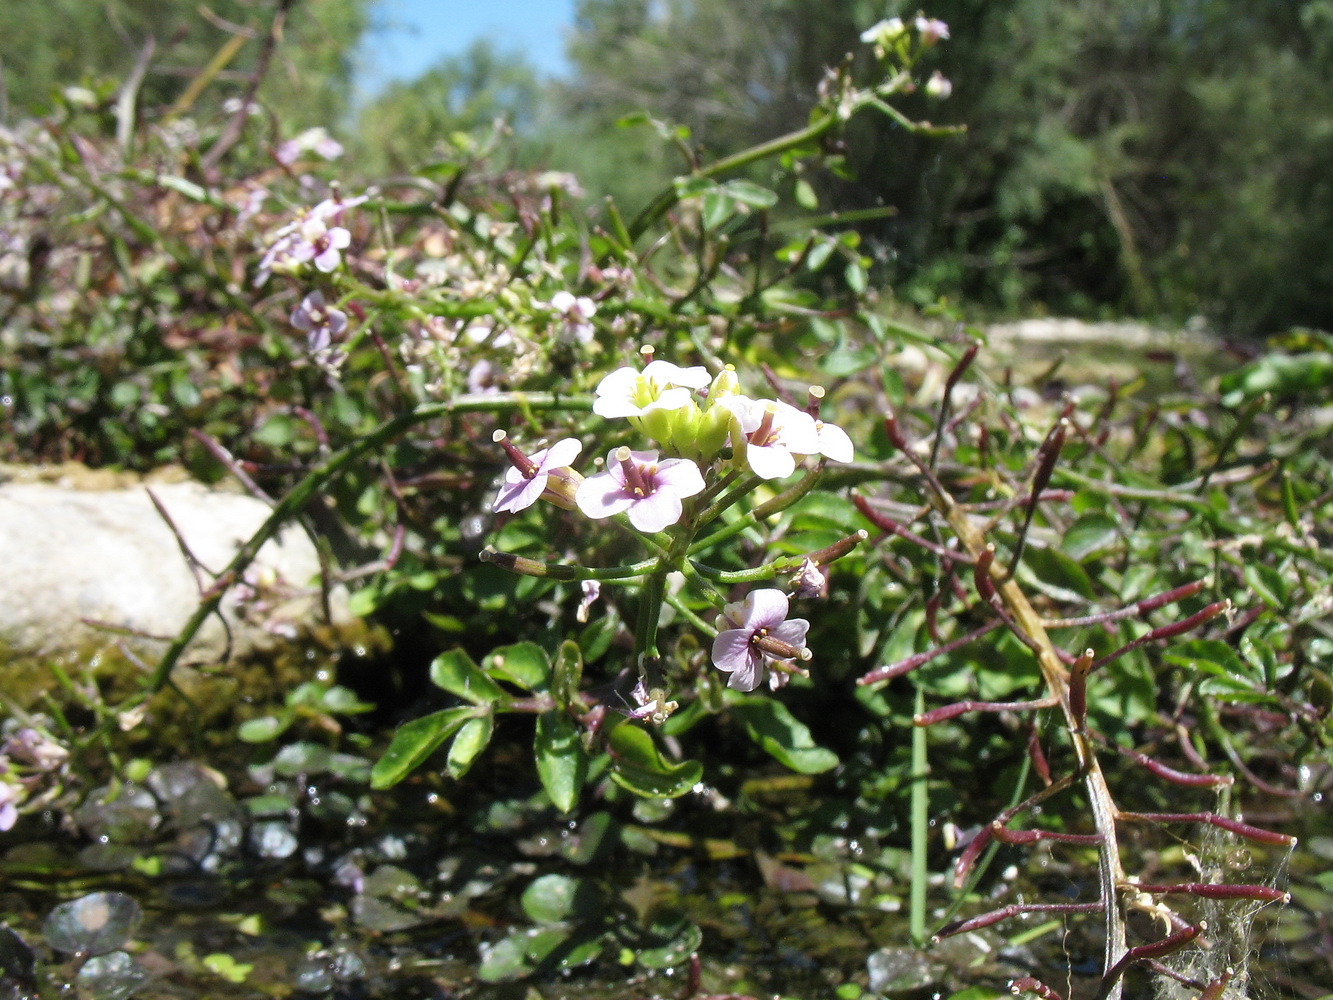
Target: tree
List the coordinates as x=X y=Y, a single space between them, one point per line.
x=1159 y=157
x=401 y=126
x=49 y=44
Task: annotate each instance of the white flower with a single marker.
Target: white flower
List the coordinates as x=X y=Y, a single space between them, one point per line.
x=627 y=392
x=774 y=434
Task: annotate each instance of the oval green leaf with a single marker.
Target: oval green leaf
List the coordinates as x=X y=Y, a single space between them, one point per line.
x=413 y=743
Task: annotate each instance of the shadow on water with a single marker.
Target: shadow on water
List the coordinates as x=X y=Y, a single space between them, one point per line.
x=287 y=878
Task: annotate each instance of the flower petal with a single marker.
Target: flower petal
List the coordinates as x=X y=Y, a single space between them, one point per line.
x=520 y=495
x=666 y=373
x=560 y=454
x=731 y=649
x=601 y=496
x=770 y=461
x=748 y=678
x=680 y=476
x=766 y=608
x=656 y=511
x=792 y=632
x=834 y=443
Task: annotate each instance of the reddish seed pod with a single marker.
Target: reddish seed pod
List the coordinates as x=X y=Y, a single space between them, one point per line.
x=1170 y=597
x=894 y=432
x=1217 y=988
x=1168 y=945
x=1006 y=836
x=1078 y=690
x=981 y=574
x=1036 y=987
x=1210 y=890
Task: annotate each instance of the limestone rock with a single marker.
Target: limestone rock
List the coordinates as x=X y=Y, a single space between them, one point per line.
x=79 y=563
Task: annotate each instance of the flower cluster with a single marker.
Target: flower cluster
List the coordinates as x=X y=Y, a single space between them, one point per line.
x=316 y=237
x=709 y=435
x=693 y=416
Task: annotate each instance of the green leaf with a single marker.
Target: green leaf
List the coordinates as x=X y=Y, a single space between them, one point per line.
x=1228 y=676
x=693 y=185
x=562 y=765
x=552 y=899
x=638 y=766
x=805 y=195
x=819 y=255
x=506 y=960
x=1055 y=574
x=1092 y=535
x=774 y=728
x=278 y=431
x=343 y=701
x=524 y=663
x=456 y=673
x=414 y=742
x=264 y=728
x=855 y=276
x=568 y=674
x=1267 y=583
x=469 y=743
x=718 y=208
x=844 y=362
x=750 y=193
x=597 y=637
x=1284 y=375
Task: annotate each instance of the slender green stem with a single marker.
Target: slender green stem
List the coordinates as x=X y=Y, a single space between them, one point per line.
x=669 y=196
x=715 y=508
x=328 y=471
x=689 y=615
x=776 y=505
x=920 y=827
x=650 y=613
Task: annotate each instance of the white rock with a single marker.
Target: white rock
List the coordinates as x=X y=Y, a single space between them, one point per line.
x=75 y=558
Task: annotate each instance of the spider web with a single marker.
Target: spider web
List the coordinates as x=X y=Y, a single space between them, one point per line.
x=1237 y=928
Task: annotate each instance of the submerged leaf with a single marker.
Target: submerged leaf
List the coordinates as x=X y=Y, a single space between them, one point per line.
x=92 y=925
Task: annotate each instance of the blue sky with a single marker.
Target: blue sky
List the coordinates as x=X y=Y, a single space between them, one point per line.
x=418 y=32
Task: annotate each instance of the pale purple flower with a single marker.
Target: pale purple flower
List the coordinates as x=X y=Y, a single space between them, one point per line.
x=322 y=324
x=482 y=378
x=313 y=140
x=628 y=392
x=653 y=705
x=524 y=486
x=10 y=796
x=576 y=314
x=315 y=237
x=939 y=86
x=760 y=633
x=636 y=482
x=592 y=590
x=35 y=749
x=809 y=580
x=931 y=29
x=774 y=434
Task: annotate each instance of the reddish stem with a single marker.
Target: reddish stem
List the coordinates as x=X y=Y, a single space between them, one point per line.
x=1221 y=822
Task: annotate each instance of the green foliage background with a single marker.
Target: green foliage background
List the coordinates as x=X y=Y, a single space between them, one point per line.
x=1160 y=158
